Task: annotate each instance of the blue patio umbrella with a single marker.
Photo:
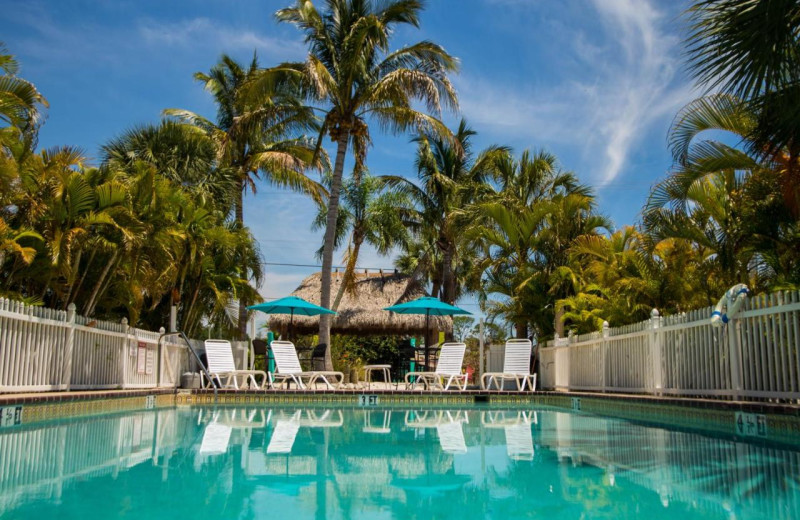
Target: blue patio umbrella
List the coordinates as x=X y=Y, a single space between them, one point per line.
x=291 y=305
x=429 y=306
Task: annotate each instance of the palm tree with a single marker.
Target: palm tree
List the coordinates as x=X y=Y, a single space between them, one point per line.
x=353 y=75
x=450 y=179
x=621 y=280
x=768 y=203
x=750 y=49
x=508 y=238
x=252 y=135
x=714 y=218
x=20 y=101
x=370 y=214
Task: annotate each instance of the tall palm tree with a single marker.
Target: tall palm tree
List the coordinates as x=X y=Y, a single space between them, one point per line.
x=254 y=135
x=356 y=79
x=450 y=179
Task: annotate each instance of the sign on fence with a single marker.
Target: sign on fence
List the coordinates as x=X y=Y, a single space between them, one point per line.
x=141 y=358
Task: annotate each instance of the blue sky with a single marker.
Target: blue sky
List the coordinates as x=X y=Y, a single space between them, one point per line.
x=596 y=82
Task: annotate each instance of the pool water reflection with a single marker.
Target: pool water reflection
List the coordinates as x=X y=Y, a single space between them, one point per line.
x=257 y=462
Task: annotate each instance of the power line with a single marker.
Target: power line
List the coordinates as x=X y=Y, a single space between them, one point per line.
x=358 y=268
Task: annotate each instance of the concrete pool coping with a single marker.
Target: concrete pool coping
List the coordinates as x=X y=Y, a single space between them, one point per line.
x=751 y=421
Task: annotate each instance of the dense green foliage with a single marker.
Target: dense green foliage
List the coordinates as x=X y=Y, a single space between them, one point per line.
x=151 y=225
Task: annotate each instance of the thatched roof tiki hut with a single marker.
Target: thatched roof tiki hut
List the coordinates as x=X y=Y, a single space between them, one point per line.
x=361 y=311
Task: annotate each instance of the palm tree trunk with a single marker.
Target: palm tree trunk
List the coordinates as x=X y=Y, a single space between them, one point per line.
x=239 y=216
x=191 y=307
x=349 y=272
x=521 y=330
x=106 y=285
x=76 y=263
x=559 y=322
x=76 y=291
x=90 y=304
x=327 y=250
x=448 y=282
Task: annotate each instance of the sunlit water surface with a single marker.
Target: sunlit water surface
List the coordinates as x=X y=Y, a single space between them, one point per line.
x=293 y=463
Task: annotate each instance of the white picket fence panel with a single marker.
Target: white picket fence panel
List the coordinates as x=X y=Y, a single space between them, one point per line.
x=45 y=349
x=754 y=356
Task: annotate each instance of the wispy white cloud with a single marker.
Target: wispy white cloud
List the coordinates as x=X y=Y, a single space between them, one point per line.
x=621 y=84
x=203 y=32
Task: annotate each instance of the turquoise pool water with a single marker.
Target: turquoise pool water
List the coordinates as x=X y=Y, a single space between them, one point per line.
x=295 y=463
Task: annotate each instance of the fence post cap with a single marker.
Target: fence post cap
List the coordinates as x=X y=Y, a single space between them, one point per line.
x=654 y=313
x=71 y=312
x=124 y=321
x=162 y=330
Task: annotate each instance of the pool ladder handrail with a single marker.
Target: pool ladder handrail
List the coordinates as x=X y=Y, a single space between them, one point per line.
x=193 y=351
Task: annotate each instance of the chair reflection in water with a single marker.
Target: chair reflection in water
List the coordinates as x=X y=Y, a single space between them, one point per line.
x=287 y=426
x=517 y=426
x=217 y=433
x=448 y=426
x=381 y=423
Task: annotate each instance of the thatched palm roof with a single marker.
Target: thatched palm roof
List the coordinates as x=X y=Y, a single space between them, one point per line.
x=362 y=312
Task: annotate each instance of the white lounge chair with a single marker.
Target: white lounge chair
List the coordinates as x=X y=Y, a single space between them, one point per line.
x=219 y=356
x=448 y=367
x=516 y=366
x=287 y=368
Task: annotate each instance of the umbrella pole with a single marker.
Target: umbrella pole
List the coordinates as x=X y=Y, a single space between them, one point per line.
x=291 y=325
x=427 y=331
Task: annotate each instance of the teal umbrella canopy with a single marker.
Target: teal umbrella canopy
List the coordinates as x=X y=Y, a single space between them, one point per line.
x=291 y=305
x=427 y=305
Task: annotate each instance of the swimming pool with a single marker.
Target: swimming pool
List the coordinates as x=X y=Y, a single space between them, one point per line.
x=316 y=462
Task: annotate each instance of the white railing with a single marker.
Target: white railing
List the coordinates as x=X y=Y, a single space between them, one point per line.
x=44 y=349
x=756 y=355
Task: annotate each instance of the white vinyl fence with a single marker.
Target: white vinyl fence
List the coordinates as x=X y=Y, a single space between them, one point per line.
x=44 y=349
x=754 y=356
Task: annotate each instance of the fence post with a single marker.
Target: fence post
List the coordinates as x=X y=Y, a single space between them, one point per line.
x=480 y=349
x=735 y=355
x=655 y=350
x=66 y=372
x=123 y=379
x=159 y=356
x=604 y=354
